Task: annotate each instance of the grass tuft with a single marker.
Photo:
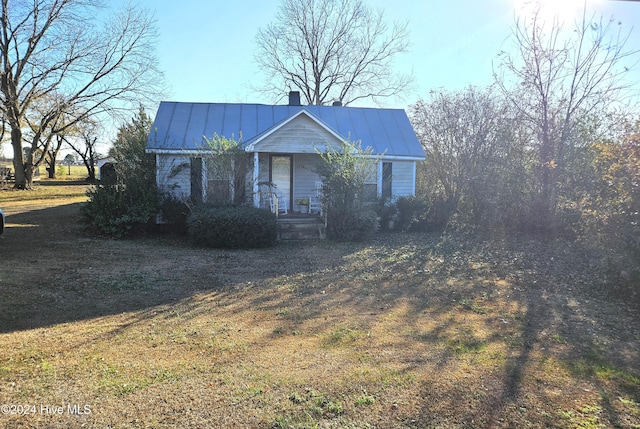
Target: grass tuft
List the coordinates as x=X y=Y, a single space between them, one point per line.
x=342 y=335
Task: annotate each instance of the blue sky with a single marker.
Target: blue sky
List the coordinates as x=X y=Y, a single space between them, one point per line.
x=206 y=47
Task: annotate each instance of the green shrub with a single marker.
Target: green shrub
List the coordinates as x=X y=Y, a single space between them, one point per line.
x=347 y=225
x=175 y=212
x=440 y=214
x=387 y=214
x=413 y=214
x=118 y=210
x=344 y=175
x=231 y=227
x=128 y=203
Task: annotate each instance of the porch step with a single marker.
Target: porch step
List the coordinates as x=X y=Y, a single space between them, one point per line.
x=301 y=229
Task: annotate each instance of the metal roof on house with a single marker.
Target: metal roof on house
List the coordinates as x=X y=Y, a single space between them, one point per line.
x=182 y=126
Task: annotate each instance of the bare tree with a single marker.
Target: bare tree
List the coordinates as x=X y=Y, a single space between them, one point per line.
x=82 y=139
x=555 y=80
x=48 y=144
x=332 y=50
x=474 y=163
x=50 y=48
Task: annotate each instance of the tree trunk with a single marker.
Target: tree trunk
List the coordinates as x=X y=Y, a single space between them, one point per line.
x=29 y=168
x=91 y=169
x=52 y=155
x=51 y=168
x=23 y=174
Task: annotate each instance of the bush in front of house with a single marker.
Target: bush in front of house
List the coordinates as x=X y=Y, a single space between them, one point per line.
x=387 y=214
x=174 y=212
x=344 y=174
x=128 y=204
x=413 y=214
x=231 y=227
x=118 y=210
x=348 y=225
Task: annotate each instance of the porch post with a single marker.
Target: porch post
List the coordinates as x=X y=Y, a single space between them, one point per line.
x=157 y=169
x=204 y=179
x=415 y=177
x=256 y=175
x=379 y=168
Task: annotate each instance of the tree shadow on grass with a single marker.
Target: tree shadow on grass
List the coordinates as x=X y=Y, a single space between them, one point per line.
x=54 y=272
x=447 y=305
x=543 y=356
x=515 y=320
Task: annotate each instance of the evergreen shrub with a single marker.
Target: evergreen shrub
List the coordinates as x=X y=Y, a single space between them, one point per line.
x=175 y=212
x=118 y=211
x=231 y=227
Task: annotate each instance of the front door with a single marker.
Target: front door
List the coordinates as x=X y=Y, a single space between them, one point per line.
x=281 y=175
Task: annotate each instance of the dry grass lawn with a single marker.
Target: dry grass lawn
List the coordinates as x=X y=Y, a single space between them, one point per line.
x=405 y=331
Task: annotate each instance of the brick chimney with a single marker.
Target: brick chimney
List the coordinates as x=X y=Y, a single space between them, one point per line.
x=294 y=98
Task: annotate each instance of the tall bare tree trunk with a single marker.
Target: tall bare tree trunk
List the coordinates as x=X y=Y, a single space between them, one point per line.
x=23 y=174
x=51 y=155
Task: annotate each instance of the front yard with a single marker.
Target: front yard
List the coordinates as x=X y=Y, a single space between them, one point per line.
x=405 y=331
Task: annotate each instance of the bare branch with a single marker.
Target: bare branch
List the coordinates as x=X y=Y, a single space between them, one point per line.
x=558 y=79
x=53 y=50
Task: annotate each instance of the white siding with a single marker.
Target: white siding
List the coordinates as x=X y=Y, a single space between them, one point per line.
x=304 y=175
x=403 y=178
x=173 y=173
x=263 y=161
x=301 y=135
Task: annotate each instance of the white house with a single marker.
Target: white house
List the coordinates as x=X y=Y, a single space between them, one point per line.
x=283 y=141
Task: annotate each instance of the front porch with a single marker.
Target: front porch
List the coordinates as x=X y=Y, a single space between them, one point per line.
x=290 y=178
x=296 y=205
